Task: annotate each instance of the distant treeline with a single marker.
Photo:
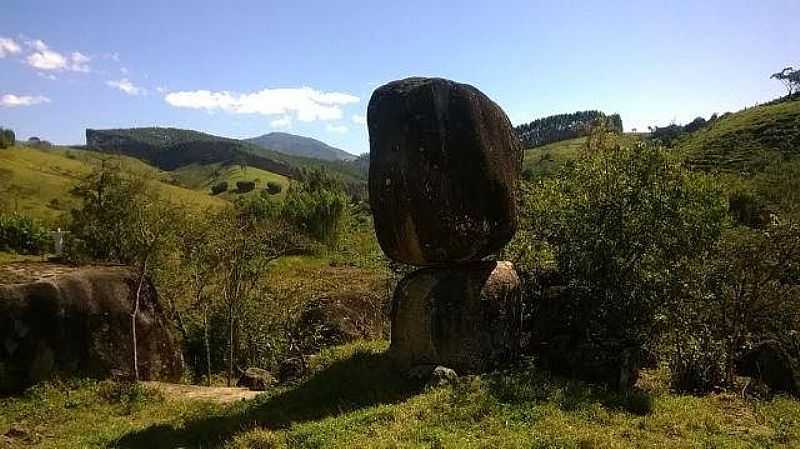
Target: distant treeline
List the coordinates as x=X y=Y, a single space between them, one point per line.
x=564 y=126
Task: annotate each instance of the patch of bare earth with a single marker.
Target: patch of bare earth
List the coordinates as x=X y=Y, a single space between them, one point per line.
x=220 y=395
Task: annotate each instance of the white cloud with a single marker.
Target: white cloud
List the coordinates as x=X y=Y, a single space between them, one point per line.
x=283 y=122
x=126 y=86
x=12 y=101
x=44 y=58
x=124 y=70
x=8 y=47
x=162 y=89
x=48 y=76
x=360 y=119
x=338 y=129
x=303 y=103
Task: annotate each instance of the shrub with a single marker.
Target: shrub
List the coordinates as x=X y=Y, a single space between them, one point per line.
x=23 y=234
x=742 y=293
x=273 y=188
x=219 y=187
x=7 y=138
x=245 y=186
x=616 y=224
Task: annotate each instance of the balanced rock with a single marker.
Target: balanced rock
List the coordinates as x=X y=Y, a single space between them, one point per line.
x=466 y=317
x=444 y=163
x=59 y=320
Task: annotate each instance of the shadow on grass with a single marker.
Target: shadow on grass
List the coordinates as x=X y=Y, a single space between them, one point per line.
x=537 y=385
x=362 y=380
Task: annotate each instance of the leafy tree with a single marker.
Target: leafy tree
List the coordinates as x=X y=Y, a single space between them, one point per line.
x=615 y=224
x=317 y=205
x=273 y=188
x=245 y=186
x=219 y=187
x=7 y=138
x=790 y=79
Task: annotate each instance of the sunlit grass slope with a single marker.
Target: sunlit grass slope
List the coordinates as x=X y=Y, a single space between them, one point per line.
x=356 y=399
x=37 y=182
x=202 y=177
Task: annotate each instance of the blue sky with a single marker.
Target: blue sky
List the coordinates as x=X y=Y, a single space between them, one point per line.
x=244 y=68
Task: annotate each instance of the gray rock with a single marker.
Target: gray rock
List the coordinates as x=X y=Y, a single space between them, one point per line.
x=444 y=165
x=433 y=375
x=466 y=317
x=78 y=323
x=256 y=379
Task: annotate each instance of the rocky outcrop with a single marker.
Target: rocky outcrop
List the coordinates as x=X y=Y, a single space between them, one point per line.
x=77 y=322
x=465 y=317
x=444 y=163
x=256 y=379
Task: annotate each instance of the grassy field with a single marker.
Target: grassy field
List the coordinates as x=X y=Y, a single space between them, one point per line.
x=36 y=182
x=746 y=140
x=203 y=177
x=547 y=159
x=357 y=399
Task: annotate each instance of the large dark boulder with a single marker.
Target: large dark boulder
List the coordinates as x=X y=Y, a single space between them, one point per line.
x=466 y=317
x=774 y=364
x=256 y=379
x=444 y=163
x=77 y=322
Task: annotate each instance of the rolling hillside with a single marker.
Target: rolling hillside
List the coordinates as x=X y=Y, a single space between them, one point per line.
x=746 y=140
x=202 y=177
x=172 y=148
x=37 y=182
x=300 y=146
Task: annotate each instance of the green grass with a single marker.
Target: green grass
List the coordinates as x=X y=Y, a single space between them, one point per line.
x=546 y=159
x=356 y=399
x=203 y=177
x=37 y=182
x=747 y=140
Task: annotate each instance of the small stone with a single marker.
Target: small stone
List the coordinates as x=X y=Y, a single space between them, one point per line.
x=256 y=379
x=433 y=375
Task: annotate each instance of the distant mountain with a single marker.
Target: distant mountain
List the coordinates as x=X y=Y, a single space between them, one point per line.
x=172 y=148
x=300 y=146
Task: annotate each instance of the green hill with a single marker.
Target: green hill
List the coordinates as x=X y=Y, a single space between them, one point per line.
x=173 y=148
x=37 y=182
x=747 y=140
x=546 y=159
x=202 y=177
x=300 y=146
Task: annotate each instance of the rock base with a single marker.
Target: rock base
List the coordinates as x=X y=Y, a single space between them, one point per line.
x=467 y=317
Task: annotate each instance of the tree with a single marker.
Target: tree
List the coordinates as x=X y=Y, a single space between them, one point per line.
x=790 y=79
x=615 y=225
x=273 y=188
x=7 y=138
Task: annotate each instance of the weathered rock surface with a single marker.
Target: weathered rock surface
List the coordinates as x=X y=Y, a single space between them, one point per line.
x=444 y=163
x=466 y=317
x=77 y=322
x=773 y=364
x=256 y=379
x=433 y=376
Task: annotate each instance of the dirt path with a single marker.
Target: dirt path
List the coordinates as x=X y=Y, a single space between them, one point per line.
x=220 y=395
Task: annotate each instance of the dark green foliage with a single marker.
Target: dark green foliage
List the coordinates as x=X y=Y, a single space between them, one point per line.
x=564 y=126
x=616 y=224
x=245 y=186
x=219 y=187
x=746 y=290
x=7 y=138
x=747 y=208
x=790 y=79
x=23 y=234
x=273 y=188
x=317 y=205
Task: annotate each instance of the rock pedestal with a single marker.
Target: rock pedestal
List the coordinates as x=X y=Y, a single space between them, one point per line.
x=465 y=317
x=444 y=165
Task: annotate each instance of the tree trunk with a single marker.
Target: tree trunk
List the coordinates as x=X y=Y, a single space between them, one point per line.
x=134 y=314
x=208 y=346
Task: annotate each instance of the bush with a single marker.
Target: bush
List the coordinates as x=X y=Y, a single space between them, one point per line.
x=23 y=234
x=245 y=186
x=615 y=224
x=219 y=187
x=742 y=293
x=7 y=138
x=273 y=188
